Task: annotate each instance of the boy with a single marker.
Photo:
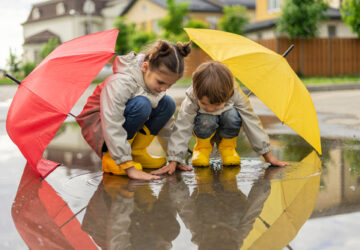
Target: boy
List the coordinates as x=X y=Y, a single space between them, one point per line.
x=213 y=104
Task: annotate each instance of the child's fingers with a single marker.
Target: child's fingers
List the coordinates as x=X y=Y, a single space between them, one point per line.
x=185 y=167
x=160 y=171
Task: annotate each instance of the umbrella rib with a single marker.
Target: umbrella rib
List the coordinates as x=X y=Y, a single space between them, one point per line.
x=55 y=108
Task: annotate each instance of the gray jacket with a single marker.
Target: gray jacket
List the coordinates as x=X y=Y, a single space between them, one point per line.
x=102 y=118
x=178 y=142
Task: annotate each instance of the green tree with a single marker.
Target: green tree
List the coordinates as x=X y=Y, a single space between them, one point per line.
x=48 y=47
x=196 y=24
x=140 y=39
x=350 y=13
x=234 y=20
x=172 y=23
x=299 y=18
x=13 y=62
x=123 y=42
x=28 y=67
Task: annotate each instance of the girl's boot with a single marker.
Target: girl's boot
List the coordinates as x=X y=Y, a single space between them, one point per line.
x=139 y=153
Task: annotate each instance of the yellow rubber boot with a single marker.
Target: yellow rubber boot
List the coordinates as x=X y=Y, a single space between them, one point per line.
x=139 y=153
x=201 y=152
x=109 y=165
x=229 y=156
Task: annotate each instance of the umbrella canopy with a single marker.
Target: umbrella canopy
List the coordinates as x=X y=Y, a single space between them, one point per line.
x=268 y=75
x=43 y=219
x=45 y=97
x=289 y=205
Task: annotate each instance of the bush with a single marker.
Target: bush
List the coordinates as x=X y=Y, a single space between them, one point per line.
x=234 y=20
x=28 y=67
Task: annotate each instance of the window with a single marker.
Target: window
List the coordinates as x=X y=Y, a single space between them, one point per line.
x=332 y=31
x=259 y=35
x=213 y=21
x=274 y=5
x=60 y=9
x=155 y=26
x=89 y=7
x=36 y=14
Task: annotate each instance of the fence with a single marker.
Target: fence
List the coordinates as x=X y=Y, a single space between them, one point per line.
x=311 y=57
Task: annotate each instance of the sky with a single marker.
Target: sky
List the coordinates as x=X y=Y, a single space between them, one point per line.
x=12 y=14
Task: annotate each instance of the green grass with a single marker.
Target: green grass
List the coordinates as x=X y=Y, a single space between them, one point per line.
x=331 y=80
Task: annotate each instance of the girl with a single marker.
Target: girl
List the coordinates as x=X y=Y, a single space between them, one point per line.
x=130 y=107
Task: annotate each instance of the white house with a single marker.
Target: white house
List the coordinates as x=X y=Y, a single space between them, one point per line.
x=65 y=20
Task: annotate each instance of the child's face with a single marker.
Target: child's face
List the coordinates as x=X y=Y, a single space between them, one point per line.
x=205 y=104
x=157 y=81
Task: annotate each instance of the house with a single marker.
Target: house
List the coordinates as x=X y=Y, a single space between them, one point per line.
x=268 y=11
x=65 y=20
x=146 y=13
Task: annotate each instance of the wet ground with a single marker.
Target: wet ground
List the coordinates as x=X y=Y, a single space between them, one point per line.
x=313 y=204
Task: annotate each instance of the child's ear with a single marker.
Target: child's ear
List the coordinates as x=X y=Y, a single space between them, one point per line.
x=145 y=67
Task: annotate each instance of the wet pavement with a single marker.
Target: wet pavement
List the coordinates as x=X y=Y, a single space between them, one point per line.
x=313 y=204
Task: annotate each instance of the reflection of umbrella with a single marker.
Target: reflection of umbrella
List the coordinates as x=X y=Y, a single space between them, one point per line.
x=47 y=95
x=267 y=75
x=289 y=205
x=43 y=219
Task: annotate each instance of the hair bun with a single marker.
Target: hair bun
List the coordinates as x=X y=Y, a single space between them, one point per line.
x=184 y=48
x=162 y=48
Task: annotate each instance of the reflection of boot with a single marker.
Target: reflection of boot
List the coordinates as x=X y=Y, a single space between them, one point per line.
x=228 y=178
x=229 y=156
x=201 y=153
x=114 y=185
x=110 y=166
x=204 y=178
x=139 y=153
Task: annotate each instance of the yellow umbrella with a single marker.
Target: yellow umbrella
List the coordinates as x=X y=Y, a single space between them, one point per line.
x=268 y=75
x=289 y=205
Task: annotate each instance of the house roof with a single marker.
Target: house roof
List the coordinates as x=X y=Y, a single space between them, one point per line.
x=200 y=5
x=331 y=13
x=47 y=9
x=42 y=37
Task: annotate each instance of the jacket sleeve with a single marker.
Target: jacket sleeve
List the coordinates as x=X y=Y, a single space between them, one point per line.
x=179 y=139
x=116 y=92
x=253 y=129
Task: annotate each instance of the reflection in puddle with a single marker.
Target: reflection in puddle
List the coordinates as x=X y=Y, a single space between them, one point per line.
x=247 y=207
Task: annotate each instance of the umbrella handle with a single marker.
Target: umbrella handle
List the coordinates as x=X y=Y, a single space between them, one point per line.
x=288 y=50
x=13 y=78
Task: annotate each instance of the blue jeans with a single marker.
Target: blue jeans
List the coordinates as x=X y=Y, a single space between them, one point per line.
x=227 y=124
x=138 y=112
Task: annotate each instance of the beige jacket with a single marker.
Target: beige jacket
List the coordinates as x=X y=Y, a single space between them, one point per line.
x=179 y=139
x=102 y=118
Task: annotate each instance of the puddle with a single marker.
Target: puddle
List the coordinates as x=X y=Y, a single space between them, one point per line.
x=253 y=206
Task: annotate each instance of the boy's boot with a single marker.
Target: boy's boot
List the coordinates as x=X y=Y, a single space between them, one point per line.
x=139 y=153
x=201 y=152
x=110 y=166
x=229 y=156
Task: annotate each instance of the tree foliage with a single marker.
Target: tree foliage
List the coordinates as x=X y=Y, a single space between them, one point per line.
x=350 y=13
x=299 y=18
x=123 y=41
x=13 y=62
x=48 y=47
x=234 y=20
x=172 y=23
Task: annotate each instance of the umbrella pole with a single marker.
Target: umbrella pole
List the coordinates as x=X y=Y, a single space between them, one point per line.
x=13 y=78
x=284 y=55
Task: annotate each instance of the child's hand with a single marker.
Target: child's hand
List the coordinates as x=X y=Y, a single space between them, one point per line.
x=171 y=167
x=273 y=161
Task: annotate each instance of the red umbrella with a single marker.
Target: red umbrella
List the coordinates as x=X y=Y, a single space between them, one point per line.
x=43 y=218
x=45 y=97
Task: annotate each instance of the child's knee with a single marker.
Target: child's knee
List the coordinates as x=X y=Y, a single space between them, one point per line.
x=139 y=105
x=167 y=104
x=205 y=125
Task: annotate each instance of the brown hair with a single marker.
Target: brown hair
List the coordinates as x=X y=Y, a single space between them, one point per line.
x=168 y=54
x=213 y=80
